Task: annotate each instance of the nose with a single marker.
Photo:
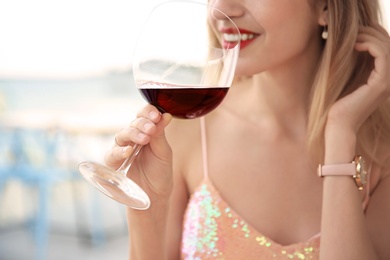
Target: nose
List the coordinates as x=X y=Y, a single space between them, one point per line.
x=231 y=8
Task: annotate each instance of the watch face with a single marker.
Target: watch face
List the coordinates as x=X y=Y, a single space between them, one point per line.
x=361 y=172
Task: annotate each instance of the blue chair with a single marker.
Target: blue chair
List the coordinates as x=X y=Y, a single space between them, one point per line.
x=25 y=165
x=30 y=156
x=6 y=155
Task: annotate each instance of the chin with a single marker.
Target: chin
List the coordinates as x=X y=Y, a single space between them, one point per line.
x=247 y=68
x=241 y=70
x=247 y=72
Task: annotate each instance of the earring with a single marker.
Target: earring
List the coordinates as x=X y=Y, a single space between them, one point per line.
x=325 y=33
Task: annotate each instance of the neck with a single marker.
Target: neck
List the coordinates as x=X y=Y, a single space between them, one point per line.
x=280 y=96
x=282 y=93
x=283 y=90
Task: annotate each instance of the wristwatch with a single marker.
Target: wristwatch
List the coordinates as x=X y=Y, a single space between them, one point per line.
x=356 y=169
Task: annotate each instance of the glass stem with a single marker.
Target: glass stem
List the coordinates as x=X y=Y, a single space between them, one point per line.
x=129 y=160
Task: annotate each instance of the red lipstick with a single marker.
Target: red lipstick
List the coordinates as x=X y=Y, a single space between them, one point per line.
x=231 y=37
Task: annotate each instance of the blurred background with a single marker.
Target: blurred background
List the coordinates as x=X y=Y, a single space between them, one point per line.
x=66 y=87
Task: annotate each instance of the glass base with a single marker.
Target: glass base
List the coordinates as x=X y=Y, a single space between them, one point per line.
x=115 y=185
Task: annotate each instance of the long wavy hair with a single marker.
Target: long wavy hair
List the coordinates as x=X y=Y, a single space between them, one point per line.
x=341 y=71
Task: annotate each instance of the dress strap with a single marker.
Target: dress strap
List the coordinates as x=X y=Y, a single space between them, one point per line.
x=204 y=147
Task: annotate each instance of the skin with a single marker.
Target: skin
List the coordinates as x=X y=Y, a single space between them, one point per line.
x=264 y=119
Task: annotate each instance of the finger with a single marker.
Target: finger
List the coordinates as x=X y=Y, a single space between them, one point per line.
x=140 y=129
x=377 y=31
x=115 y=157
x=137 y=133
x=150 y=112
x=376 y=48
x=117 y=141
x=159 y=143
x=382 y=65
x=162 y=124
x=374 y=36
x=379 y=53
x=369 y=38
x=122 y=138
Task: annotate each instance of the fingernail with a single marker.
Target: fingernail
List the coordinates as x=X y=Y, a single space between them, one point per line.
x=147 y=126
x=125 y=149
x=153 y=115
x=141 y=135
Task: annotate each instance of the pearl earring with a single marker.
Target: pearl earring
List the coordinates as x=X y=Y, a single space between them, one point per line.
x=325 y=33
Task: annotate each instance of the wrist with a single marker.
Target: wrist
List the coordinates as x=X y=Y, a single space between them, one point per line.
x=144 y=222
x=340 y=144
x=147 y=230
x=157 y=208
x=355 y=169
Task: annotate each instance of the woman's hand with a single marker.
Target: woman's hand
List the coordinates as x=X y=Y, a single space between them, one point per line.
x=352 y=110
x=348 y=113
x=152 y=168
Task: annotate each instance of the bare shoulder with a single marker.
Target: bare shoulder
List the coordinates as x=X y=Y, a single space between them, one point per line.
x=185 y=139
x=181 y=132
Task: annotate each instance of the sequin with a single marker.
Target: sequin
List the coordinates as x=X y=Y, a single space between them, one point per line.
x=212 y=230
x=202 y=236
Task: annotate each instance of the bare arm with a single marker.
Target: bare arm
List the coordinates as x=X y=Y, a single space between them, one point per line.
x=156 y=232
x=346 y=232
x=152 y=171
x=147 y=232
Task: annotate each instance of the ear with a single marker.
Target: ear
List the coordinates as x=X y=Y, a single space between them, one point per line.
x=322 y=13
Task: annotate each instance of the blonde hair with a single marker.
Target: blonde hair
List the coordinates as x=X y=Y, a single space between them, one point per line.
x=341 y=71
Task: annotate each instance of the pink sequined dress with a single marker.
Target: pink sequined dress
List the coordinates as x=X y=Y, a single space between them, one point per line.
x=212 y=230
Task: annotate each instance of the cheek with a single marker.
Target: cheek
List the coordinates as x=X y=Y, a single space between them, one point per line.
x=268 y=52
x=275 y=47
x=248 y=66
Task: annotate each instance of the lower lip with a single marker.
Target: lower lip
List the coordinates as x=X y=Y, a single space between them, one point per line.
x=243 y=44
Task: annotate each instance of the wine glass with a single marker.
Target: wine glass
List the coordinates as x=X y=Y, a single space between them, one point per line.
x=184 y=65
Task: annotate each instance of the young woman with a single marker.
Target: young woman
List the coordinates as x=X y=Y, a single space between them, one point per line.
x=313 y=87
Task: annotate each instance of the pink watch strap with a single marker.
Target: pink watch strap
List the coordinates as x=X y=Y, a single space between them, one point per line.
x=345 y=169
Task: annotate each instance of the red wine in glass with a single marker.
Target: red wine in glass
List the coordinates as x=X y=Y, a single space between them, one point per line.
x=184 y=102
x=183 y=64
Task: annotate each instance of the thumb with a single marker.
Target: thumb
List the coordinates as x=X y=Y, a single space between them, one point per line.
x=159 y=143
x=164 y=121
